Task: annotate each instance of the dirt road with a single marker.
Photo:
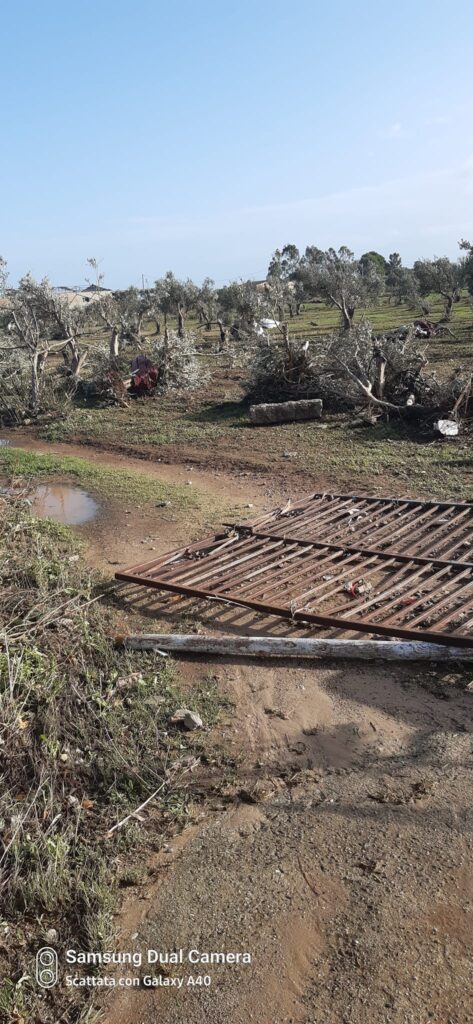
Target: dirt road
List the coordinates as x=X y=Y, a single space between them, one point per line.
x=340 y=856
x=343 y=865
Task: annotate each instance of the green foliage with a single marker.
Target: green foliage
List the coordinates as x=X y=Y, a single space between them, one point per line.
x=171 y=294
x=285 y=262
x=100 y=479
x=443 y=276
x=336 y=277
x=373 y=261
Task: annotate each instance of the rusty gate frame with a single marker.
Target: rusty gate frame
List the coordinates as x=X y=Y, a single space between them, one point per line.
x=309 y=533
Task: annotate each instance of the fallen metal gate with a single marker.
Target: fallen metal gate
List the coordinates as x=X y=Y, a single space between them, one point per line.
x=392 y=567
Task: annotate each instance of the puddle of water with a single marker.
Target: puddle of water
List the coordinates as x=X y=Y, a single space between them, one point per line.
x=4 y=442
x=65 y=504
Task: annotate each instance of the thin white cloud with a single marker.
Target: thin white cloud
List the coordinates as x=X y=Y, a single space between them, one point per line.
x=393 y=131
x=421 y=214
x=439 y=120
x=432 y=206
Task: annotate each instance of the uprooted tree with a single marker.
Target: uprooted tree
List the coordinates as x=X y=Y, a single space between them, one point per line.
x=389 y=374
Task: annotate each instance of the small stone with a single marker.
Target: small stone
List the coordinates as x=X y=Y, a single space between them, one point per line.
x=188 y=719
x=163 y=504
x=50 y=937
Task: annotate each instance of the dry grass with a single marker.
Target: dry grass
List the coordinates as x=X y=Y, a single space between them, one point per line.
x=84 y=740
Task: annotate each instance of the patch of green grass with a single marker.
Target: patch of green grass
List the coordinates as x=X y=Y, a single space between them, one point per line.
x=103 y=480
x=172 y=420
x=344 y=457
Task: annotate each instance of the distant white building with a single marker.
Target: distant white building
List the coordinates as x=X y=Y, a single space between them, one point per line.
x=79 y=297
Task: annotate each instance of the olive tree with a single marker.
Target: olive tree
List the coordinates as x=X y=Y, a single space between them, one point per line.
x=175 y=298
x=206 y=302
x=337 y=277
x=442 y=276
x=401 y=282
x=40 y=321
x=123 y=312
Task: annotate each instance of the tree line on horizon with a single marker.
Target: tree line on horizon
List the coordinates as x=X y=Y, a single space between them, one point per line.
x=37 y=320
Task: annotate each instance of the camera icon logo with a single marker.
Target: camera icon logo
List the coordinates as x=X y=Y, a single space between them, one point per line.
x=46 y=967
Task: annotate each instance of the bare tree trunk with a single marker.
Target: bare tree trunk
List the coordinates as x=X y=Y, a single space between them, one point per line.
x=166 y=329
x=347 y=313
x=223 y=334
x=34 y=399
x=37 y=367
x=380 y=375
x=447 y=316
x=180 y=322
x=78 y=358
x=114 y=343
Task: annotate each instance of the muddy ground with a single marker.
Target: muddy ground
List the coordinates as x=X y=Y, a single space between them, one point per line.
x=338 y=855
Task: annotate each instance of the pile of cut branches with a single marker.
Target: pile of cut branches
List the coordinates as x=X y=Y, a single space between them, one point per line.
x=177 y=361
x=282 y=370
x=389 y=373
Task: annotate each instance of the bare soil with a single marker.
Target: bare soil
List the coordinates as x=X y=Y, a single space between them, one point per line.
x=343 y=863
x=339 y=854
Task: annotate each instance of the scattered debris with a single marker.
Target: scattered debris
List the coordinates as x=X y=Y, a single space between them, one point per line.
x=357 y=587
x=144 y=375
x=447 y=428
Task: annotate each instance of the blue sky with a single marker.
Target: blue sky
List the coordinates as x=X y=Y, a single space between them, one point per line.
x=198 y=137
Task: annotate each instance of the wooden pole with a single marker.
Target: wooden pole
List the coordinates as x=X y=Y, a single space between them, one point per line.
x=298 y=647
